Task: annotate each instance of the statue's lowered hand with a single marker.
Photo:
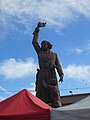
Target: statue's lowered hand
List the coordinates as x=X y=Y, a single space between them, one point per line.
x=41 y=24
x=61 y=79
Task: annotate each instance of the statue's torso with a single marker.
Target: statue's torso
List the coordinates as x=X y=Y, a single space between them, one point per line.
x=46 y=60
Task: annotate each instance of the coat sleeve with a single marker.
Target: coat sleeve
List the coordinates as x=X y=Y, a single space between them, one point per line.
x=35 y=40
x=58 y=66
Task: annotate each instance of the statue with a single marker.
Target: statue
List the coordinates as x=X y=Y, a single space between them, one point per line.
x=46 y=81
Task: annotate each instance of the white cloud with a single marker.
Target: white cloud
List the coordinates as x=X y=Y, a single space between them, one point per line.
x=80 y=72
x=17 y=69
x=54 y=12
x=1 y=98
x=4 y=93
x=4 y=90
x=78 y=50
x=83 y=49
x=31 y=88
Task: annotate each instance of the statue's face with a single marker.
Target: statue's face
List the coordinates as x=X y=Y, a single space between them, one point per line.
x=44 y=46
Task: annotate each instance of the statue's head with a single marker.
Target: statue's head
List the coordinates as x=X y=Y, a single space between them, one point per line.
x=45 y=45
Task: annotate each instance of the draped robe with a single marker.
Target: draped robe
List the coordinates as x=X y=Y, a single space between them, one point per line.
x=46 y=80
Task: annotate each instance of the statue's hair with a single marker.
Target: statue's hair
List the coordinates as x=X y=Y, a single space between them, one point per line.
x=49 y=44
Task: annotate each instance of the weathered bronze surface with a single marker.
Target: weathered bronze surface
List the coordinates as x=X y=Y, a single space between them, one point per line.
x=46 y=80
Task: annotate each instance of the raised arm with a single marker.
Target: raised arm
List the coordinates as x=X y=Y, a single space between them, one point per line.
x=35 y=39
x=36 y=36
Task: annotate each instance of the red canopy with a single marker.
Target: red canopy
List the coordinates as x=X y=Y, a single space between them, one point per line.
x=24 y=106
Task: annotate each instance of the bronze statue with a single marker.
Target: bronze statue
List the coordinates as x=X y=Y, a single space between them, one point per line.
x=46 y=81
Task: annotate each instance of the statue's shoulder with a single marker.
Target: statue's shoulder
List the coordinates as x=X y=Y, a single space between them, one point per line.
x=53 y=53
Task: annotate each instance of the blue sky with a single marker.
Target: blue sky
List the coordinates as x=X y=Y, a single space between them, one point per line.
x=68 y=29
